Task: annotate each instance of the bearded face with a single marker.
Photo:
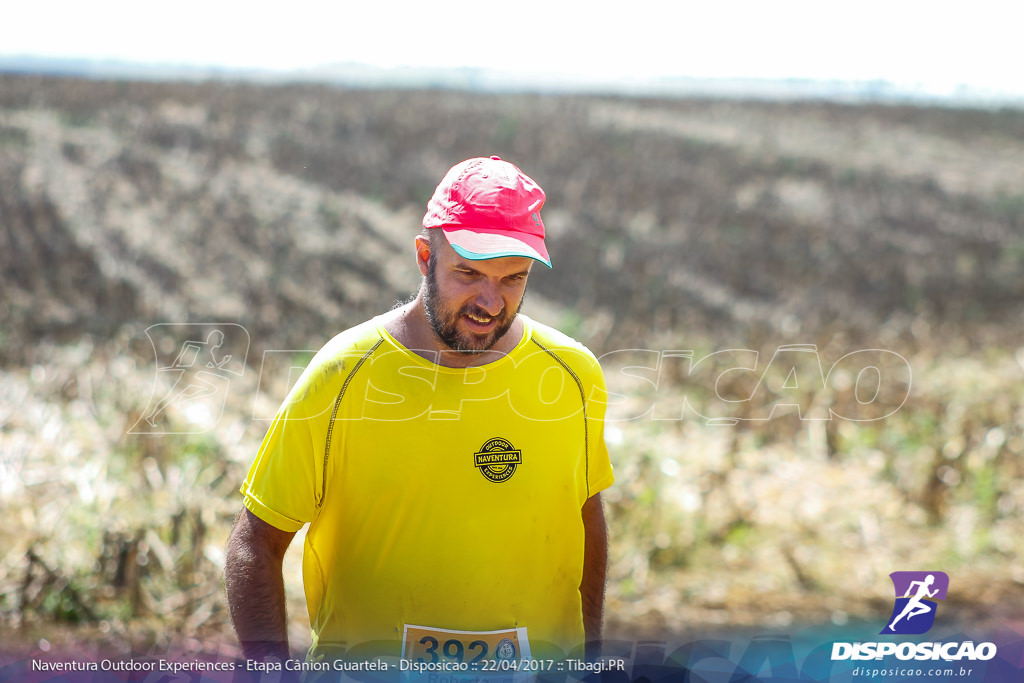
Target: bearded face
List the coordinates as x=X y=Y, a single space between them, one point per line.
x=467 y=311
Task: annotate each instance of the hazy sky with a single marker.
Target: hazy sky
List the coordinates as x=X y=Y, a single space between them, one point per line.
x=932 y=44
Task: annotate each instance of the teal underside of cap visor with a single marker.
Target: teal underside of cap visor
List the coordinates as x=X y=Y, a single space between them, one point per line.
x=473 y=256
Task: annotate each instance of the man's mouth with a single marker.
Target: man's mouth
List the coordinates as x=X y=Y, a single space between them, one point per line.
x=481 y=324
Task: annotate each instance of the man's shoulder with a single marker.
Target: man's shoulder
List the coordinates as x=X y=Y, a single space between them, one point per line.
x=359 y=340
x=338 y=358
x=566 y=349
x=552 y=338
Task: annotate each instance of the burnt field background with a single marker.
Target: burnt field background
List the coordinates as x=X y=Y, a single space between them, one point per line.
x=288 y=212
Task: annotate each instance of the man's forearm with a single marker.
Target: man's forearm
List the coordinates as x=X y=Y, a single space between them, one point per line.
x=255 y=588
x=595 y=562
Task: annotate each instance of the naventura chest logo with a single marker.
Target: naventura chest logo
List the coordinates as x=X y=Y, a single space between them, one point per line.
x=497 y=460
x=916 y=594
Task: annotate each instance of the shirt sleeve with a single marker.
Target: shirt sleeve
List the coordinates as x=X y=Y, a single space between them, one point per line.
x=284 y=486
x=599 y=467
x=281 y=482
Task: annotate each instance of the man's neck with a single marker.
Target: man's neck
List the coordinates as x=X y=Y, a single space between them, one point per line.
x=411 y=328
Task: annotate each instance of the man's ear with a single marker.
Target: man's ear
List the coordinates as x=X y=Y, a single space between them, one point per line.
x=423 y=253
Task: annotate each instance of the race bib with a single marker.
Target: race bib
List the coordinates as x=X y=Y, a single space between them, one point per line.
x=476 y=650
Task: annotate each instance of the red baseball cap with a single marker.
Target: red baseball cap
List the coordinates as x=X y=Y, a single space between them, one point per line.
x=488 y=208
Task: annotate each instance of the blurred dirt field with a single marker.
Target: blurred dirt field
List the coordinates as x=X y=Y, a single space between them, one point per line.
x=137 y=216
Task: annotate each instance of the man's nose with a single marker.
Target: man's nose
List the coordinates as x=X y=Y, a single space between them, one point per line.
x=488 y=298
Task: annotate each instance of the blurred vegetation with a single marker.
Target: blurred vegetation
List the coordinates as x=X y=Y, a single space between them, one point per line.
x=674 y=225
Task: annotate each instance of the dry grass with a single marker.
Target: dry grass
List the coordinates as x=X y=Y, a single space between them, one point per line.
x=675 y=225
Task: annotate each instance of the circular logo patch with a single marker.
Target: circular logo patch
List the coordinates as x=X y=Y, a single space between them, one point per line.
x=506 y=651
x=497 y=460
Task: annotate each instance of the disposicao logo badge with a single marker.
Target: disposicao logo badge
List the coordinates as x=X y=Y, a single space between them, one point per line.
x=916 y=593
x=913 y=614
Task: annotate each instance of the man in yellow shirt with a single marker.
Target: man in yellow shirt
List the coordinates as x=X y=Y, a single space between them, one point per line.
x=448 y=457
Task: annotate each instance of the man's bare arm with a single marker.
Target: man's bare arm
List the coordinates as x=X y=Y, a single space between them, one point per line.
x=595 y=563
x=255 y=586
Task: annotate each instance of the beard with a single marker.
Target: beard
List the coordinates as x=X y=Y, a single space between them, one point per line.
x=445 y=320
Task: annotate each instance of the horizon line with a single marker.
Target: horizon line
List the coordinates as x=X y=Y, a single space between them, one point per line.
x=492 y=80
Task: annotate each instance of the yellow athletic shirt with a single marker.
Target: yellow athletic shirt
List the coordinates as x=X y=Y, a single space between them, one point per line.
x=440 y=497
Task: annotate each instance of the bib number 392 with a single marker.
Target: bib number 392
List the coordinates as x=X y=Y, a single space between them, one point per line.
x=428 y=645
